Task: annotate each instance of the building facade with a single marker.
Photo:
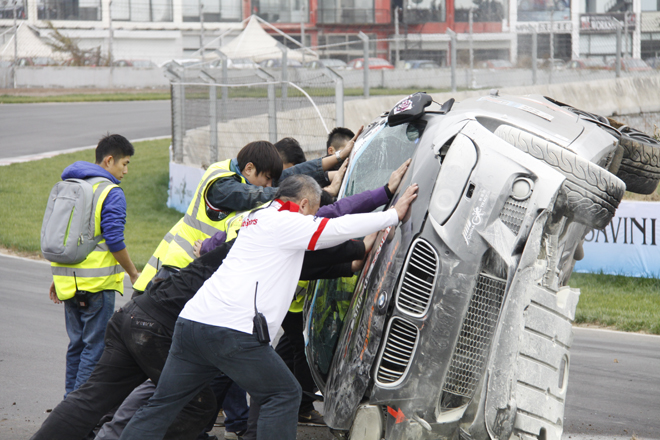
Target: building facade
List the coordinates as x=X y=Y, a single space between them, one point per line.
x=161 y=30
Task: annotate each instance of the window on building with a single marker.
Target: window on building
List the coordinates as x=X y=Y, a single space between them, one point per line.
x=83 y=10
x=544 y=10
x=424 y=11
x=650 y=5
x=282 y=11
x=214 y=10
x=482 y=10
x=142 y=10
x=346 y=11
x=7 y=9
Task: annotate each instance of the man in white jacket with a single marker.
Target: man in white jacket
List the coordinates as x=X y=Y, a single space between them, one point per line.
x=216 y=329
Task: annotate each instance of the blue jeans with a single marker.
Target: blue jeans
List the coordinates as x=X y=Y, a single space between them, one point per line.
x=198 y=353
x=86 y=330
x=236 y=409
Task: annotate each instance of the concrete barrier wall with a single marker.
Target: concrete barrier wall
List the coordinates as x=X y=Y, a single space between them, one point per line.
x=97 y=77
x=605 y=97
x=6 y=79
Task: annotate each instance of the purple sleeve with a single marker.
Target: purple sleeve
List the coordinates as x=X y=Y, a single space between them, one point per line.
x=113 y=219
x=213 y=242
x=366 y=201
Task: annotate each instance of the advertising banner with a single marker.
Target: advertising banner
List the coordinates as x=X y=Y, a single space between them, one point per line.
x=628 y=245
x=183 y=183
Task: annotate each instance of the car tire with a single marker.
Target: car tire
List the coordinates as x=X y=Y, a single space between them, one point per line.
x=640 y=166
x=592 y=193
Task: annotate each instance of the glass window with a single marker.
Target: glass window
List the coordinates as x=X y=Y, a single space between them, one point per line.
x=7 y=9
x=282 y=11
x=142 y=10
x=384 y=153
x=483 y=10
x=83 y=10
x=650 y=5
x=214 y=10
x=424 y=11
x=346 y=11
x=385 y=150
x=544 y=10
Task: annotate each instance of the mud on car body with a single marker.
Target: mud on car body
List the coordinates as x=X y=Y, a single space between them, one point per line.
x=459 y=325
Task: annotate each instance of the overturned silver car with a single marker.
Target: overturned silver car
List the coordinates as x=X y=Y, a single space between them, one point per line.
x=460 y=324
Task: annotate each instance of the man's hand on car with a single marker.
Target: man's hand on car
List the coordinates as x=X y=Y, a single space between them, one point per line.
x=346 y=151
x=396 y=176
x=333 y=188
x=368 y=241
x=405 y=200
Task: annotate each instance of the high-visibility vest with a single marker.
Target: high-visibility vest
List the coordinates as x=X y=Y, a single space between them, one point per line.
x=299 y=297
x=100 y=270
x=156 y=261
x=196 y=223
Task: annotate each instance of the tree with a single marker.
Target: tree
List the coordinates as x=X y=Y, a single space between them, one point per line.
x=78 y=57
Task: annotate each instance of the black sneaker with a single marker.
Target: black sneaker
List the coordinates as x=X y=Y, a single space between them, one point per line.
x=312 y=417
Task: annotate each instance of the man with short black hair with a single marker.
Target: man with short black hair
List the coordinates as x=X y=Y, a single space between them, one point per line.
x=219 y=328
x=101 y=274
x=337 y=139
x=290 y=152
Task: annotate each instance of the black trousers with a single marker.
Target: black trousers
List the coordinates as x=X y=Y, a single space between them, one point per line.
x=136 y=348
x=291 y=348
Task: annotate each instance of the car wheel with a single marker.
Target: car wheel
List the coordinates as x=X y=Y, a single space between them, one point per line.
x=592 y=193
x=640 y=166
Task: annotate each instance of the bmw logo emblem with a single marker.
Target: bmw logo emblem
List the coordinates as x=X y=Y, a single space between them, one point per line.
x=381 y=300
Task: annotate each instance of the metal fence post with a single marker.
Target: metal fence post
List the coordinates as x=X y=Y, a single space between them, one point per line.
x=285 y=71
x=339 y=95
x=397 y=60
x=272 y=114
x=617 y=69
x=534 y=55
x=213 y=122
x=452 y=42
x=224 y=89
x=213 y=115
x=365 y=61
x=473 y=84
x=178 y=127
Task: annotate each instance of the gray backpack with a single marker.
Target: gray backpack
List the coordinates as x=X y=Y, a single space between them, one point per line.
x=67 y=233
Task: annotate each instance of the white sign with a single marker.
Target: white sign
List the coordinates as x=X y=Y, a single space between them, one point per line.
x=183 y=183
x=628 y=245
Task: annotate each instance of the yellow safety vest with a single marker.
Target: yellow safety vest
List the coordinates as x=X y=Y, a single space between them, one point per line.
x=299 y=298
x=196 y=224
x=156 y=260
x=100 y=270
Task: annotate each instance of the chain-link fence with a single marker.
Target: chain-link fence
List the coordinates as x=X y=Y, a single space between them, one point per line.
x=598 y=46
x=217 y=111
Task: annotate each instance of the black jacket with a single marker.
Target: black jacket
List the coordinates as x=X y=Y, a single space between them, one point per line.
x=164 y=301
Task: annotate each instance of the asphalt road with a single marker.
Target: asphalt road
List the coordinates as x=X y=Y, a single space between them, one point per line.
x=29 y=129
x=614 y=383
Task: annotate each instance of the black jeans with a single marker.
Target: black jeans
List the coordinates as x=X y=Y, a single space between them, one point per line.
x=136 y=348
x=293 y=354
x=198 y=353
x=291 y=348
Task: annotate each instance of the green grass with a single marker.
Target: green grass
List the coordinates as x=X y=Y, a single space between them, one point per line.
x=85 y=97
x=197 y=93
x=24 y=189
x=622 y=303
